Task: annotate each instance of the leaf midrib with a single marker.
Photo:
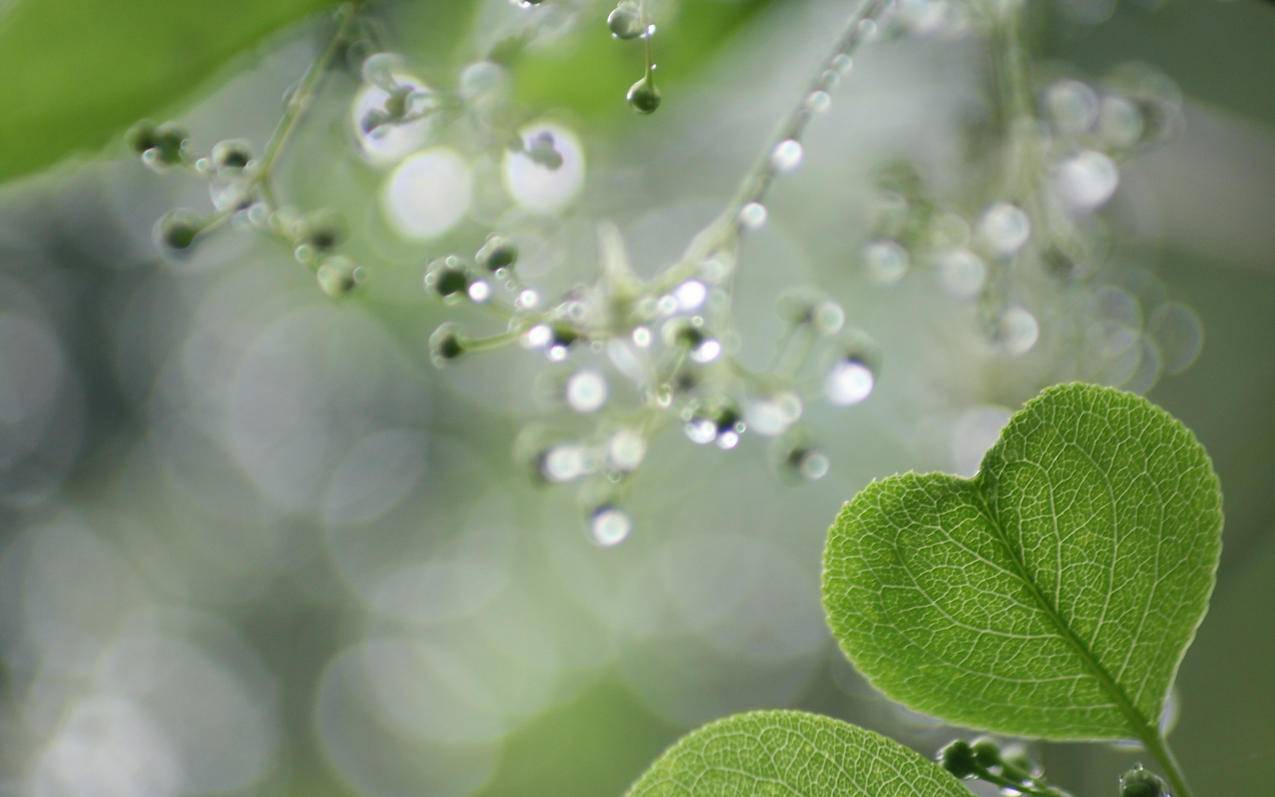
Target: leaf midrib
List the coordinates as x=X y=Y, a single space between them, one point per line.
x=1141 y=726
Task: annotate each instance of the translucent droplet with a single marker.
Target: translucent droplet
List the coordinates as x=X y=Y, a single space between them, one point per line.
x=1072 y=106
x=626 y=450
x=642 y=337
x=1120 y=123
x=885 y=261
x=1087 y=180
x=537 y=337
x=701 y=430
x=479 y=291
x=818 y=101
x=1004 y=229
x=808 y=463
x=338 y=275
x=850 y=381
x=708 y=350
x=428 y=193
x=586 y=391
x=527 y=299
x=753 y=215
x=609 y=525
x=962 y=273
x=1017 y=331
x=842 y=62
x=690 y=294
x=563 y=463
x=787 y=155
x=773 y=415
x=666 y=305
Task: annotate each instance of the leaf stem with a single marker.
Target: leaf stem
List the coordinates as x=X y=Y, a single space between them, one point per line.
x=1158 y=746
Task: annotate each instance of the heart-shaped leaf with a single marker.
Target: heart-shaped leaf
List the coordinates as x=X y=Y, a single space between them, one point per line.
x=786 y=753
x=1054 y=594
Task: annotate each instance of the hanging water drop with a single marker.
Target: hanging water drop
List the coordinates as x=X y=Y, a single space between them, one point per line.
x=1004 y=228
x=753 y=216
x=643 y=95
x=586 y=391
x=849 y=381
x=609 y=525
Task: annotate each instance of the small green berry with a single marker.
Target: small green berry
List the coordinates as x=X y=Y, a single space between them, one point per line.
x=232 y=155
x=338 y=275
x=178 y=229
x=322 y=231
x=497 y=253
x=958 y=758
x=142 y=136
x=170 y=143
x=447 y=277
x=986 y=752
x=1139 y=782
x=644 y=96
x=445 y=344
x=625 y=21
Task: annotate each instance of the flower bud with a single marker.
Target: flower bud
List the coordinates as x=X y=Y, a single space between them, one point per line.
x=497 y=253
x=445 y=344
x=958 y=758
x=178 y=229
x=338 y=275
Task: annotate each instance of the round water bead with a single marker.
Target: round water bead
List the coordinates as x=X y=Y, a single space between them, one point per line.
x=338 y=275
x=1072 y=106
x=625 y=450
x=774 y=414
x=448 y=278
x=720 y=424
x=753 y=216
x=643 y=96
x=962 y=273
x=1017 y=331
x=1179 y=334
x=787 y=155
x=1004 y=228
x=586 y=391
x=690 y=294
x=609 y=525
x=625 y=20
x=809 y=464
x=885 y=261
x=1087 y=180
x=849 y=381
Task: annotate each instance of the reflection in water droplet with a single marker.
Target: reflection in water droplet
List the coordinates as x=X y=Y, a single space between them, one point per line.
x=535 y=186
x=609 y=525
x=962 y=273
x=1087 y=180
x=1072 y=106
x=690 y=294
x=428 y=193
x=886 y=262
x=850 y=381
x=753 y=215
x=818 y=101
x=586 y=391
x=787 y=155
x=1004 y=229
x=1017 y=331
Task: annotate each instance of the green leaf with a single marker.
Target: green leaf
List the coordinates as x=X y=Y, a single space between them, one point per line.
x=1054 y=594
x=79 y=72
x=790 y=753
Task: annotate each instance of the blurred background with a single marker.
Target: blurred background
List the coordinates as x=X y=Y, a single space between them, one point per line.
x=252 y=542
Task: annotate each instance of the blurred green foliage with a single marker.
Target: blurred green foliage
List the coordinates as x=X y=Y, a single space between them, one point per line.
x=78 y=72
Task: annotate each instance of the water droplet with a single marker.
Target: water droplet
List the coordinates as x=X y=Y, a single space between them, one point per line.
x=701 y=430
x=527 y=299
x=773 y=415
x=625 y=20
x=563 y=463
x=962 y=273
x=537 y=337
x=428 y=193
x=808 y=463
x=787 y=155
x=753 y=215
x=643 y=96
x=709 y=349
x=1120 y=123
x=886 y=262
x=609 y=525
x=1004 y=228
x=1017 y=331
x=479 y=291
x=1087 y=180
x=642 y=337
x=626 y=450
x=842 y=62
x=690 y=294
x=867 y=32
x=818 y=101
x=1072 y=106
x=849 y=381
x=586 y=391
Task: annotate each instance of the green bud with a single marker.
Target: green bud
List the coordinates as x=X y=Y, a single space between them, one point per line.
x=178 y=229
x=142 y=136
x=644 y=96
x=338 y=275
x=445 y=344
x=322 y=231
x=625 y=21
x=986 y=752
x=564 y=335
x=232 y=155
x=170 y=143
x=446 y=277
x=1139 y=782
x=958 y=758
x=497 y=253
